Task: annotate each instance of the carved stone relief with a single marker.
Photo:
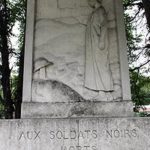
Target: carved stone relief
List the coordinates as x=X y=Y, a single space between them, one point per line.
x=63 y=54
x=97 y=69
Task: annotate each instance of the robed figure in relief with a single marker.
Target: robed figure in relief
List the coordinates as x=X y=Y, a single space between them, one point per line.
x=97 y=69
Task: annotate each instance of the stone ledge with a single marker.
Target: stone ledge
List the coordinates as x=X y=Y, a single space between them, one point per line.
x=78 y=109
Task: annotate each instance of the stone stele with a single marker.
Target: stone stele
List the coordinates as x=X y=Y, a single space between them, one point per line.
x=75 y=60
x=76 y=91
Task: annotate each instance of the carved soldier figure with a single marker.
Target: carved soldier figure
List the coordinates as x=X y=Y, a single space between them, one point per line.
x=97 y=73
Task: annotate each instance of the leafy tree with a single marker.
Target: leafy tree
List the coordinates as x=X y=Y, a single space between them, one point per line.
x=11 y=95
x=140 y=84
x=20 y=6
x=6 y=23
x=146 y=5
x=140 y=89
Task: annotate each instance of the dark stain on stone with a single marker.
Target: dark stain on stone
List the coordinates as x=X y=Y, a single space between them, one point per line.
x=63 y=88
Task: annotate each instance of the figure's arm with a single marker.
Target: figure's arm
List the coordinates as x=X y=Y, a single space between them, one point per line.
x=111 y=20
x=97 y=29
x=103 y=27
x=103 y=37
x=111 y=23
x=97 y=22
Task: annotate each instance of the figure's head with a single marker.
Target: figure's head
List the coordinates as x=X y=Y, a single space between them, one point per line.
x=100 y=1
x=94 y=3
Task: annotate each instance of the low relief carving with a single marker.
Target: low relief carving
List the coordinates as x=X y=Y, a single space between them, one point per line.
x=72 y=3
x=97 y=73
x=40 y=66
x=66 y=3
x=75 y=53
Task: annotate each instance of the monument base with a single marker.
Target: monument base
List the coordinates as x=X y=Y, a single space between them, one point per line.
x=75 y=134
x=77 y=109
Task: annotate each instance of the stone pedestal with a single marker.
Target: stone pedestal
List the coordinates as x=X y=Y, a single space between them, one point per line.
x=75 y=134
x=78 y=109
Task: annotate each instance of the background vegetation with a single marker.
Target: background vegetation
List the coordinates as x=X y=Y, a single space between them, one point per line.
x=137 y=21
x=11 y=12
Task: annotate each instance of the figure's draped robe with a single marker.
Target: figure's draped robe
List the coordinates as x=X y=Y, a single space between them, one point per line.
x=98 y=75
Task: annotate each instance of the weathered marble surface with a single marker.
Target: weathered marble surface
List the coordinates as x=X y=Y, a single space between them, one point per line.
x=77 y=109
x=55 y=61
x=75 y=134
x=59 y=50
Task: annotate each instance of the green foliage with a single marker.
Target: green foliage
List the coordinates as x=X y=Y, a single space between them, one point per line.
x=20 y=6
x=140 y=87
x=1 y=104
x=140 y=84
x=14 y=80
x=133 y=39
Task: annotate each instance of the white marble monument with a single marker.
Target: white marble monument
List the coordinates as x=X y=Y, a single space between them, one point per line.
x=75 y=59
x=76 y=93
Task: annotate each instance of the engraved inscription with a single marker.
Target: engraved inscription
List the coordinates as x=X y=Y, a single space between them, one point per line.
x=29 y=135
x=127 y=133
x=79 y=148
x=73 y=134
x=78 y=139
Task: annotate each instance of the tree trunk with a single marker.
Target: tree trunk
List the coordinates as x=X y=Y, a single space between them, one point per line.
x=146 y=4
x=19 y=86
x=21 y=68
x=5 y=63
